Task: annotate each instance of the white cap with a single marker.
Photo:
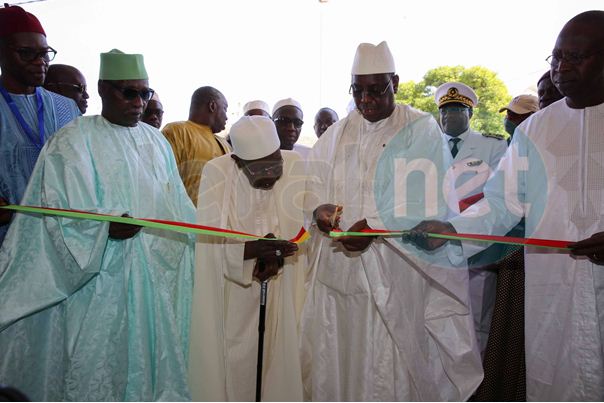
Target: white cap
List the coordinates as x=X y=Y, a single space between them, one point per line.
x=371 y=59
x=455 y=92
x=254 y=137
x=257 y=104
x=523 y=104
x=286 y=102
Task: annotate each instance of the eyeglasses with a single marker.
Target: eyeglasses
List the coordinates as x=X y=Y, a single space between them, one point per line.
x=286 y=121
x=31 y=54
x=571 y=58
x=373 y=91
x=132 y=93
x=264 y=167
x=452 y=109
x=80 y=89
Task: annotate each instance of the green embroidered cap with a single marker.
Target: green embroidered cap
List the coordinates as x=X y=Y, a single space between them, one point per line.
x=117 y=65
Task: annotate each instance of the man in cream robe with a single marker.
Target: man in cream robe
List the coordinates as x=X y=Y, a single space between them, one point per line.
x=383 y=322
x=224 y=338
x=552 y=175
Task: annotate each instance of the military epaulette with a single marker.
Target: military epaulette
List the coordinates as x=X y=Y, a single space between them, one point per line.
x=495 y=136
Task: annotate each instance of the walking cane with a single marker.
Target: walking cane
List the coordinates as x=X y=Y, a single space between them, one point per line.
x=263 y=291
x=261 y=321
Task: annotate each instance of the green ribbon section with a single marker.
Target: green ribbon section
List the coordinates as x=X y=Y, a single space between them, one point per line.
x=130 y=220
x=337 y=234
x=540 y=243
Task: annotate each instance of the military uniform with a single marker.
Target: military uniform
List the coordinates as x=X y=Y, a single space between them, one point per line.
x=478 y=155
x=475 y=156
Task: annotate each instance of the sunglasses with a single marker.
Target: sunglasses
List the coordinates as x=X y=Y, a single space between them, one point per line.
x=286 y=121
x=373 y=91
x=452 y=109
x=130 y=93
x=80 y=89
x=264 y=167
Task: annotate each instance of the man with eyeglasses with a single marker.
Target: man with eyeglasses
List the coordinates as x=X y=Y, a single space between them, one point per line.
x=254 y=189
x=69 y=82
x=288 y=118
x=380 y=319
x=195 y=141
x=29 y=115
x=564 y=302
x=475 y=156
x=94 y=311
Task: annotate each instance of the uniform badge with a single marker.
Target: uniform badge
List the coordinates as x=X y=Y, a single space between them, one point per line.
x=474 y=163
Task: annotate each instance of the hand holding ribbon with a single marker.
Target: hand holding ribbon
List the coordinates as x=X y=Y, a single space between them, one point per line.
x=121 y=231
x=269 y=255
x=5 y=215
x=354 y=243
x=592 y=247
x=419 y=235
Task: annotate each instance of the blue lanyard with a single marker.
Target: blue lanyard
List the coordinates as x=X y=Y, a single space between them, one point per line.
x=28 y=131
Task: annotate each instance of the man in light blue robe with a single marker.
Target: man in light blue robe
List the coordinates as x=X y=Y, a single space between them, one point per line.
x=90 y=310
x=24 y=58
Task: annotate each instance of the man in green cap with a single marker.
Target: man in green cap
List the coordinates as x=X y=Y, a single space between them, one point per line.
x=91 y=310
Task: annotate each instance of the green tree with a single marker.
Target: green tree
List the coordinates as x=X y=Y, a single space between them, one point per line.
x=492 y=94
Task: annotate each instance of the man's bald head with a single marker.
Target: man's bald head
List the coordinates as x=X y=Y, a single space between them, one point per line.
x=209 y=107
x=577 y=62
x=589 y=21
x=69 y=82
x=203 y=95
x=57 y=72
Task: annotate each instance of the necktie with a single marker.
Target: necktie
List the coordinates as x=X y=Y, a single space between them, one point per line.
x=454 y=149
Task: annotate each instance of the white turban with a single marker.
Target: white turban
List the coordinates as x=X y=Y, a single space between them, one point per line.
x=254 y=137
x=286 y=102
x=257 y=104
x=371 y=59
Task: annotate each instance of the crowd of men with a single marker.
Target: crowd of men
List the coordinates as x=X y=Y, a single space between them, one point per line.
x=113 y=311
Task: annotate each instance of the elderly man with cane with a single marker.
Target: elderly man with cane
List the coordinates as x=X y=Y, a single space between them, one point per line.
x=254 y=189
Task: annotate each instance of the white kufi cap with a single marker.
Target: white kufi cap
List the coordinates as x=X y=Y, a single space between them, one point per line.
x=254 y=137
x=371 y=59
x=258 y=104
x=286 y=102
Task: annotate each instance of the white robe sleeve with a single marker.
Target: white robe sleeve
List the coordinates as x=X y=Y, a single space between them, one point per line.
x=236 y=269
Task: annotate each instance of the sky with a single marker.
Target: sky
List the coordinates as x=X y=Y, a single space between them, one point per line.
x=275 y=49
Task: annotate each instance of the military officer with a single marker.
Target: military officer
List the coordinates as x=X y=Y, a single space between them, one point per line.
x=475 y=155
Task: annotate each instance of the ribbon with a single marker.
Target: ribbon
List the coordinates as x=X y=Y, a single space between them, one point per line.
x=541 y=243
x=301 y=237
x=177 y=226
